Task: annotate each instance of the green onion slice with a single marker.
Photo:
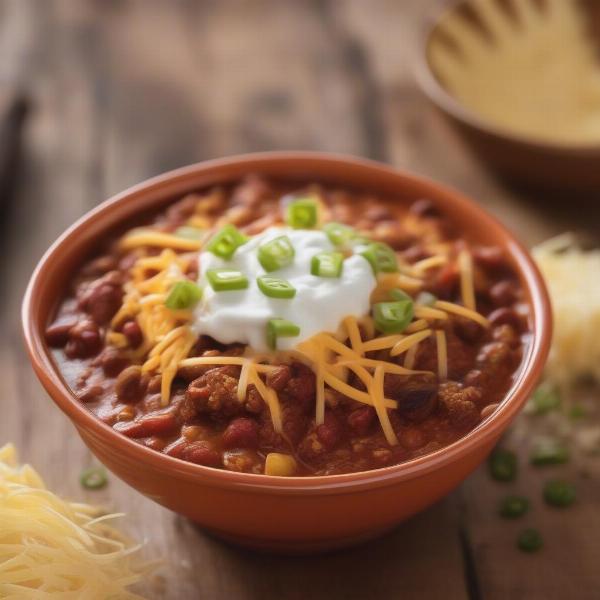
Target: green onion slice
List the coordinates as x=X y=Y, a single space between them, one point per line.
x=381 y=257
x=302 y=213
x=226 y=280
x=544 y=400
x=559 y=493
x=184 y=294
x=513 y=507
x=277 y=328
x=190 y=233
x=393 y=317
x=339 y=234
x=226 y=241
x=547 y=451
x=397 y=294
x=276 y=254
x=274 y=287
x=327 y=264
x=529 y=540
x=503 y=465
x=93 y=478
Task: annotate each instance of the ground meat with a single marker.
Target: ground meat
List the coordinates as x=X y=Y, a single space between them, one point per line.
x=461 y=404
x=213 y=393
x=301 y=386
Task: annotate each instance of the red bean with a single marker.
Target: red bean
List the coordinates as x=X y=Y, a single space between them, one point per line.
x=91 y=393
x=424 y=208
x=113 y=361
x=148 y=425
x=361 y=420
x=103 y=302
x=330 y=432
x=505 y=316
x=129 y=386
x=57 y=334
x=132 y=331
x=468 y=330
x=201 y=452
x=279 y=377
x=84 y=340
x=491 y=257
x=241 y=433
x=504 y=293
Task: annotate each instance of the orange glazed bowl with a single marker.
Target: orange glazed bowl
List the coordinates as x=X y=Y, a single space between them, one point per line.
x=287 y=514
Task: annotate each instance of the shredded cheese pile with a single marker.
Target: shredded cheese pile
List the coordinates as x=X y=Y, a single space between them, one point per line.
x=50 y=548
x=573 y=279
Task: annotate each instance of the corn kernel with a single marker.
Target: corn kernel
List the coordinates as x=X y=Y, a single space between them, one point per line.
x=281 y=465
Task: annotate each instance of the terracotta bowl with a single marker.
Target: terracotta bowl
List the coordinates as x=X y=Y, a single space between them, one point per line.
x=523 y=159
x=301 y=514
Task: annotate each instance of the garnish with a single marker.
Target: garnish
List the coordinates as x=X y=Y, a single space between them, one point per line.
x=274 y=287
x=277 y=328
x=226 y=241
x=302 y=214
x=559 y=493
x=276 y=254
x=547 y=451
x=529 y=540
x=93 y=478
x=513 y=507
x=381 y=257
x=339 y=234
x=545 y=399
x=327 y=264
x=226 y=280
x=393 y=317
x=184 y=294
x=503 y=465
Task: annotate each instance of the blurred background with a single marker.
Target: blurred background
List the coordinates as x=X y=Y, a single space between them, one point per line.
x=97 y=95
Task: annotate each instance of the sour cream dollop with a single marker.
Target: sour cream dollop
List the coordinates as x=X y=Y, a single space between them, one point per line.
x=320 y=303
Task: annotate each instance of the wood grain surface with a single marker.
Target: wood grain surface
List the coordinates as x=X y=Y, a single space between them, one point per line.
x=124 y=89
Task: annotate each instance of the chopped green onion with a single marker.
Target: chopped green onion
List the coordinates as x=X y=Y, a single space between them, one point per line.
x=302 y=214
x=226 y=280
x=226 y=241
x=513 y=507
x=426 y=299
x=276 y=254
x=190 y=233
x=559 y=493
x=548 y=452
x=392 y=317
x=544 y=400
x=93 y=478
x=273 y=287
x=184 y=294
x=339 y=234
x=529 y=540
x=397 y=294
x=277 y=328
x=503 y=465
x=327 y=264
x=381 y=257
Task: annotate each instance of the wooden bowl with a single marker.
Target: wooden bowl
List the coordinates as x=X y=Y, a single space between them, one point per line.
x=519 y=157
x=301 y=514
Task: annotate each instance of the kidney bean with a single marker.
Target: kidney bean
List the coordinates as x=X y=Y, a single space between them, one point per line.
x=84 y=340
x=241 y=433
x=103 y=302
x=154 y=384
x=505 y=316
x=362 y=419
x=113 y=361
x=129 y=384
x=301 y=387
x=330 y=432
x=91 y=393
x=57 y=334
x=424 y=208
x=100 y=266
x=445 y=281
x=148 y=425
x=504 y=293
x=490 y=257
x=278 y=378
x=467 y=329
x=201 y=452
x=156 y=443
x=133 y=332
x=489 y=410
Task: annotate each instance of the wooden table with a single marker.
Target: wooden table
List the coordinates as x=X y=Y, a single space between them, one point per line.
x=121 y=90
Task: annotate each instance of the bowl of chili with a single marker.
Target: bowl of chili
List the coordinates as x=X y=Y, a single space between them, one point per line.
x=182 y=327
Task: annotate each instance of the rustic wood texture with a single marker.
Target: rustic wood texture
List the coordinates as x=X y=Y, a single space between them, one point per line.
x=124 y=89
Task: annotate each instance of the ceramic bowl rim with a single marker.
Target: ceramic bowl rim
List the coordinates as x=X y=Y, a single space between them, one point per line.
x=488 y=430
